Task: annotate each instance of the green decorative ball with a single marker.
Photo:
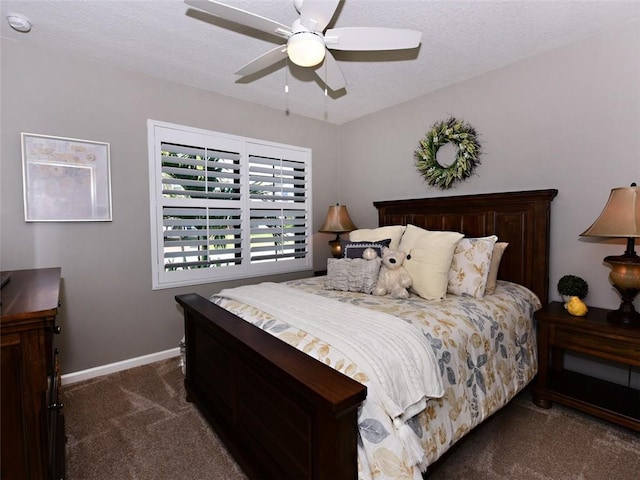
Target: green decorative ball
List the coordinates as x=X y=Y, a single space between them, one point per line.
x=573 y=286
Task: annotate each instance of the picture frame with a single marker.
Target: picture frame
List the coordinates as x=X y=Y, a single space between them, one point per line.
x=65 y=179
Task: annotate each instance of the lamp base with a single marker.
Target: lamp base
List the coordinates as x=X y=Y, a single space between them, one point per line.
x=626 y=315
x=625 y=277
x=336 y=247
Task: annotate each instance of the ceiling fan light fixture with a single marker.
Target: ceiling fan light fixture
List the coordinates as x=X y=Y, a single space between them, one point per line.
x=305 y=49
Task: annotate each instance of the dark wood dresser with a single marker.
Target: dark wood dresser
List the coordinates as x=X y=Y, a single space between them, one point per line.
x=32 y=421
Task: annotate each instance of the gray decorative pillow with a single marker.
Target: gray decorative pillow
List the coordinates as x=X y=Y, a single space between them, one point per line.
x=352 y=274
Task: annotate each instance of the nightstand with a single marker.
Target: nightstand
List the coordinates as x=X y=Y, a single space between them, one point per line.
x=593 y=335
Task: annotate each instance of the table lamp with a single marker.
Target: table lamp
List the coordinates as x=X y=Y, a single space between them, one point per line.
x=337 y=221
x=621 y=219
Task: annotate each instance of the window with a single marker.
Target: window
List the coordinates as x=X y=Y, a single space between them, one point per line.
x=226 y=207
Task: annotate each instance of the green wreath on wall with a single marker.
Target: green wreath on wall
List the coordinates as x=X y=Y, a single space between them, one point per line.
x=462 y=136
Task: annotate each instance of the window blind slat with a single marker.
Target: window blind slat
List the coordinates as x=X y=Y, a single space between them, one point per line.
x=193 y=151
x=278 y=257
x=255 y=160
x=212 y=172
x=195 y=195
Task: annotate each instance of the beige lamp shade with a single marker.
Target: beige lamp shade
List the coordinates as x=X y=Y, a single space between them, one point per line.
x=620 y=217
x=337 y=221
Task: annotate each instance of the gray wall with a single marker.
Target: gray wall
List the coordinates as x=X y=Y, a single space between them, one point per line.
x=109 y=311
x=568 y=119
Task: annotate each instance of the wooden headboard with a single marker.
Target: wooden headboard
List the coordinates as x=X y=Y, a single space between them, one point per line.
x=520 y=218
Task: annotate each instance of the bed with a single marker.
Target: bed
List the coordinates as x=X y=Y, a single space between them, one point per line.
x=284 y=414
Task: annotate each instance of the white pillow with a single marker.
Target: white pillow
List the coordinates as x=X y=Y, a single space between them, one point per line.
x=429 y=255
x=470 y=266
x=492 y=278
x=394 y=232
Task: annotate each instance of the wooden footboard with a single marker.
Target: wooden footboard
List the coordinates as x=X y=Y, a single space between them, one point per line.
x=281 y=413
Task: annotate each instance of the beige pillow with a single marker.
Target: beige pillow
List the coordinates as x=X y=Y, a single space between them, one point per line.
x=394 y=232
x=429 y=255
x=492 y=278
x=470 y=266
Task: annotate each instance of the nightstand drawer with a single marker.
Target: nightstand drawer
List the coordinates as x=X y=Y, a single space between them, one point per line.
x=614 y=348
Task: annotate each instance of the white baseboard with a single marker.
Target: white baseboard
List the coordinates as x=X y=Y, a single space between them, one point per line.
x=74 y=377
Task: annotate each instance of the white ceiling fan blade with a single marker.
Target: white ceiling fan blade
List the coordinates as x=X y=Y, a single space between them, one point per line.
x=241 y=17
x=371 y=38
x=316 y=14
x=330 y=73
x=263 y=61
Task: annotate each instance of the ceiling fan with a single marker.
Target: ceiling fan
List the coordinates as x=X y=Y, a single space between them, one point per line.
x=308 y=44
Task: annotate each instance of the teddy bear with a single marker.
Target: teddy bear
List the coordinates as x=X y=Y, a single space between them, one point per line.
x=393 y=278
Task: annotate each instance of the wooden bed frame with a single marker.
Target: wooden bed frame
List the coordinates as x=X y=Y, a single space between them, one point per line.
x=283 y=414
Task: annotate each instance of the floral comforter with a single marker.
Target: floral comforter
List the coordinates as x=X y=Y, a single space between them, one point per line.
x=486 y=354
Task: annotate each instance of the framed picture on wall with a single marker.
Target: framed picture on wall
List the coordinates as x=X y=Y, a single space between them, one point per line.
x=65 y=179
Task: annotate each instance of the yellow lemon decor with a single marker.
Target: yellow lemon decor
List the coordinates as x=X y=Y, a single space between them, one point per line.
x=576 y=307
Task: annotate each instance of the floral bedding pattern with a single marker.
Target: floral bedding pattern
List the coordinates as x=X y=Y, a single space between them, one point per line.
x=486 y=354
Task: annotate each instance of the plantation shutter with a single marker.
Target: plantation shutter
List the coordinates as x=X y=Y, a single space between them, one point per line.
x=278 y=185
x=195 y=172
x=226 y=207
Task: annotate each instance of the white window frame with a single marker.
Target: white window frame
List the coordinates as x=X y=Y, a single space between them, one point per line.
x=256 y=201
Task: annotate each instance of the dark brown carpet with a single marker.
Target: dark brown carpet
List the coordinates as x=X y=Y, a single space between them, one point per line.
x=136 y=425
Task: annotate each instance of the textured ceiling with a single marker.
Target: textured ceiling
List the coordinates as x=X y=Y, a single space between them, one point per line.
x=461 y=39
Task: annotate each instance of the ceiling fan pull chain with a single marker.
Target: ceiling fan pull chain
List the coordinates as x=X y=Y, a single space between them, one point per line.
x=286 y=78
x=326 y=93
x=286 y=87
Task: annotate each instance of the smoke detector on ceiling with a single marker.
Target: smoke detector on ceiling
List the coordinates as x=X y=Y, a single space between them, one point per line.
x=19 y=22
